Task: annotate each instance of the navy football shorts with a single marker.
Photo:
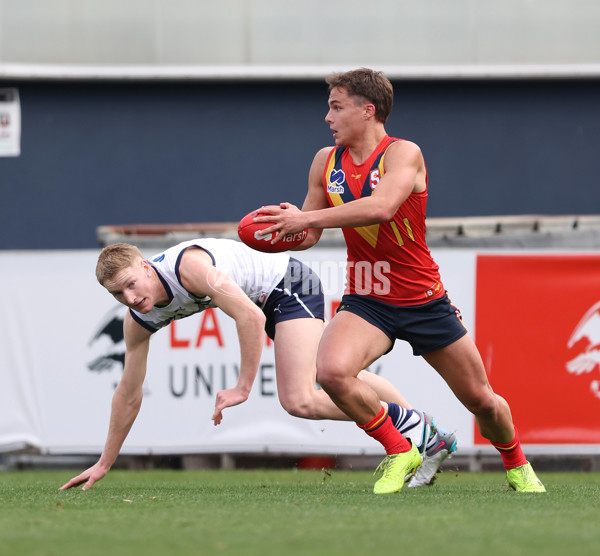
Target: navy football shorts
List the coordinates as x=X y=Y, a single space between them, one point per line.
x=299 y=295
x=427 y=327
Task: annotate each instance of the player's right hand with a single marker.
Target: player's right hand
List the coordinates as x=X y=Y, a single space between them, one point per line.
x=227 y=398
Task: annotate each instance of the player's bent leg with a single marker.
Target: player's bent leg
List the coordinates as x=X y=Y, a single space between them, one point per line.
x=295 y=345
x=460 y=365
x=350 y=344
x=296 y=374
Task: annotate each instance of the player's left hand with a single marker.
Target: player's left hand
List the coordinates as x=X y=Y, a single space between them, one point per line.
x=87 y=478
x=227 y=398
x=284 y=219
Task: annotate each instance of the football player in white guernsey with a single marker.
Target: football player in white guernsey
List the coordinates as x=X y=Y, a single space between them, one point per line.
x=260 y=291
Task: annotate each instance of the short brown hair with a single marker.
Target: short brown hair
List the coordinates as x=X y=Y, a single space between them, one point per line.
x=114 y=258
x=372 y=86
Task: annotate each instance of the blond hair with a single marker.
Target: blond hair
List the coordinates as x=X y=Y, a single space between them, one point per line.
x=115 y=258
x=368 y=85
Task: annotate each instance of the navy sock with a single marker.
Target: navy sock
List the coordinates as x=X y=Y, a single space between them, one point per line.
x=401 y=417
x=394 y=413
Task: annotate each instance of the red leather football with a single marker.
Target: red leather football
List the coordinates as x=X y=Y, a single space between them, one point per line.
x=248 y=231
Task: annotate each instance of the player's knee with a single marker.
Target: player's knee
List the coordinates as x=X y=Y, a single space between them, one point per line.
x=299 y=407
x=334 y=372
x=331 y=379
x=482 y=405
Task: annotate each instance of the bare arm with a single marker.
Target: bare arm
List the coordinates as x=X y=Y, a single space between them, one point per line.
x=404 y=173
x=201 y=278
x=126 y=403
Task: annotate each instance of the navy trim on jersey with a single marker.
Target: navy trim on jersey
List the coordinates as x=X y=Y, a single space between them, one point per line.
x=143 y=323
x=366 y=190
x=163 y=282
x=178 y=261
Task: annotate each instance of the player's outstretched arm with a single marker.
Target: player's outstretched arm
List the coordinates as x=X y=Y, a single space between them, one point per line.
x=200 y=277
x=126 y=404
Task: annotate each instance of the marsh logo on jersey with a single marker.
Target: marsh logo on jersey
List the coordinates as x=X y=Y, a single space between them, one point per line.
x=587 y=335
x=336 y=179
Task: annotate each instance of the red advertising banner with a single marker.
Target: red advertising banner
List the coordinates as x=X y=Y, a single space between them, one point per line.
x=538 y=331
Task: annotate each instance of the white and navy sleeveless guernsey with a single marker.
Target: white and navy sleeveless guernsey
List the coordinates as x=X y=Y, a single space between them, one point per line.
x=256 y=273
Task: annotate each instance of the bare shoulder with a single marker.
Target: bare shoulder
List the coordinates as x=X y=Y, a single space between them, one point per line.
x=194 y=267
x=194 y=256
x=403 y=154
x=406 y=149
x=321 y=157
x=324 y=152
x=318 y=165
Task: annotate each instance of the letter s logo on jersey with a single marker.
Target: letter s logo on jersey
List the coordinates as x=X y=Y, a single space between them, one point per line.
x=374 y=178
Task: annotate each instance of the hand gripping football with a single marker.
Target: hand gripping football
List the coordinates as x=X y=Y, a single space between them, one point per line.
x=249 y=233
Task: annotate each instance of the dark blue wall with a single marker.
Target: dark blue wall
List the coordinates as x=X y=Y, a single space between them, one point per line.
x=122 y=153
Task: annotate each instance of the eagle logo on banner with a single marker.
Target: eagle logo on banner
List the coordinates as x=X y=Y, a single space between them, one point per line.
x=108 y=342
x=588 y=360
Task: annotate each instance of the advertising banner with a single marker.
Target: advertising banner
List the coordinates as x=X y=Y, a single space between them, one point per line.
x=535 y=318
x=62 y=353
x=538 y=331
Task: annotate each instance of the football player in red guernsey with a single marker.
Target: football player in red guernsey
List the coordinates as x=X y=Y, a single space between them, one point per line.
x=374 y=187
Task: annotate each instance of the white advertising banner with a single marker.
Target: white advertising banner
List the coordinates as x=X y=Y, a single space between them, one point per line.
x=61 y=355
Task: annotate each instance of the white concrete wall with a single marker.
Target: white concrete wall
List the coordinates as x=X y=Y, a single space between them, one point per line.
x=306 y=32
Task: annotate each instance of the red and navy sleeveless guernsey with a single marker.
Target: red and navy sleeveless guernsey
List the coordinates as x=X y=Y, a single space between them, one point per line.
x=389 y=261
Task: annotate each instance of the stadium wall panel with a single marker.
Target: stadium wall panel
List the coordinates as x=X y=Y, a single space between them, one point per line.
x=121 y=152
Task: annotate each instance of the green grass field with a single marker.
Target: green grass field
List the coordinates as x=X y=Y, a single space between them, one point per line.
x=294 y=512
